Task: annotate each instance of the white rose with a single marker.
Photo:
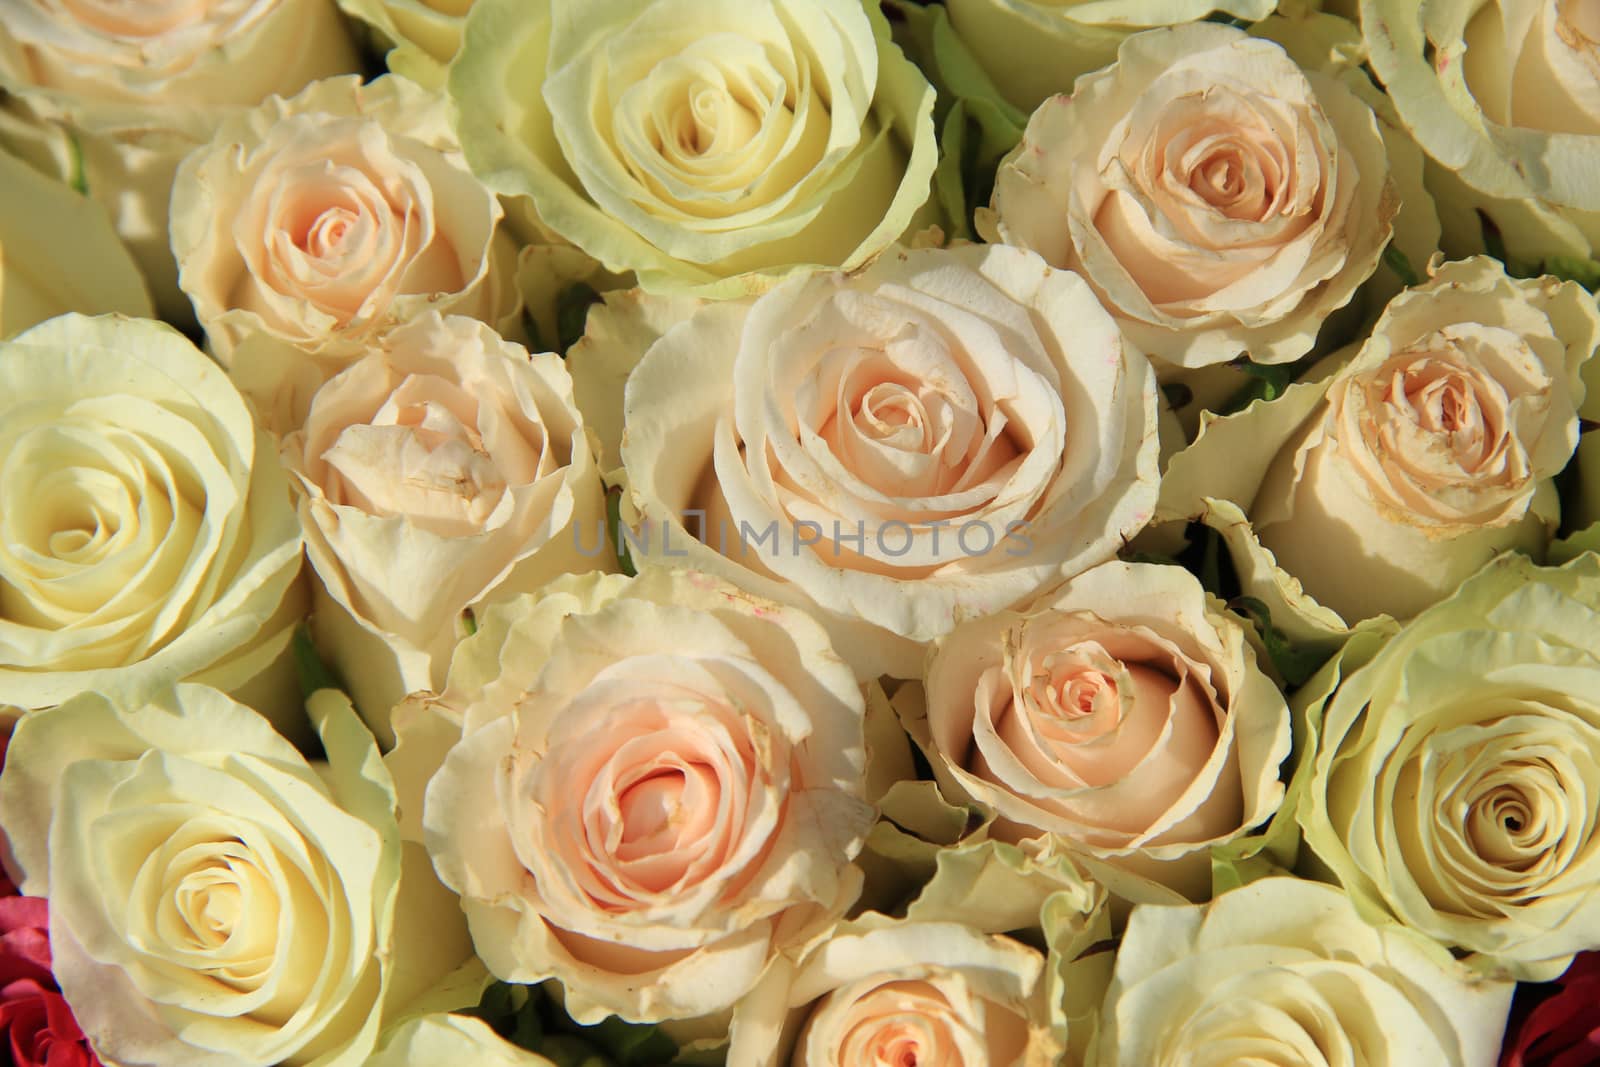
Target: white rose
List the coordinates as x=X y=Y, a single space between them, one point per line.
x=146 y=533
x=310 y=227
x=215 y=901
x=1285 y=971
x=880 y=991
x=656 y=789
x=1220 y=200
x=1380 y=487
x=1452 y=785
x=111 y=97
x=445 y=470
x=934 y=438
x=1124 y=714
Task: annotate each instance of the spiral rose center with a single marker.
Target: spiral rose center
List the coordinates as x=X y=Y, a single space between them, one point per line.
x=139 y=18
x=894 y=415
x=900 y=1024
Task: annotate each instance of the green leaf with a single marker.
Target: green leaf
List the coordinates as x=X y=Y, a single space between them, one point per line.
x=312 y=673
x=1586 y=272
x=1295 y=665
x=1396 y=261
x=632 y=1044
x=614 y=530
x=1266 y=383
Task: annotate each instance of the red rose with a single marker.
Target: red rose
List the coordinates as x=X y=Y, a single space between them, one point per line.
x=35 y=1023
x=1563 y=1029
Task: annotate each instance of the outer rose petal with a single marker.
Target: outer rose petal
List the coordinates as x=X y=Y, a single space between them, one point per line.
x=114 y=114
x=439 y=1039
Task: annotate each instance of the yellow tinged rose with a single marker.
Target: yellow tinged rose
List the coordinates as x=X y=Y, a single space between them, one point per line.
x=58 y=253
x=423 y=35
x=695 y=142
x=215 y=900
x=146 y=534
x=1032 y=49
x=1455 y=787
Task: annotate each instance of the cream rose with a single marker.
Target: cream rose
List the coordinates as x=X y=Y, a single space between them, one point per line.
x=657 y=788
x=1285 y=972
x=111 y=97
x=694 y=142
x=445 y=470
x=215 y=901
x=310 y=227
x=423 y=35
x=1504 y=94
x=1455 y=784
x=1124 y=713
x=934 y=438
x=1380 y=487
x=881 y=991
x=435 y=1040
x=59 y=253
x=146 y=534
x=1220 y=200
x=1033 y=49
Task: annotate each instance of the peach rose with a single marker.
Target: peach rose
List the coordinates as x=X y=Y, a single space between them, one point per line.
x=110 y=97
x=309 y=227
x=657 y=787
x=1125 y=713
x=1380 y=487
x=880 y=991
x=934 y=438
x=452 y=458
x=1220 y=200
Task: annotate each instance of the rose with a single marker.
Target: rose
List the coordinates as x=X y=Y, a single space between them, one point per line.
x=111 y=99
x=310 y=227
x=36 y=1024
x=146 y=534
x=1451 y=786
x=1285 y=971
x=451 y=457
x=1503 y=97
x=656 y=788
x=693 y=143
x=1560 y=1030
x=1233 y=200
x=59 y=254
x=934 y=438
x=1123 y=713
x=425 y=34
x=1033 y=49
x=1382 y=486
x=432 y=1040
x=890 y=992
x=213 y=898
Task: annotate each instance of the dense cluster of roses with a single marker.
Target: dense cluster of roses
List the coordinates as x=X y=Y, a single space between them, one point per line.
x=812 y=532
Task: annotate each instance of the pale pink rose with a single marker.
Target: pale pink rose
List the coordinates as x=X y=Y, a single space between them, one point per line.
x=1125 y=713
x=657 y=788
x=445 y=470
x=883 y=991
x=310 y=227
x=937 y=437
x=1220 y=200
